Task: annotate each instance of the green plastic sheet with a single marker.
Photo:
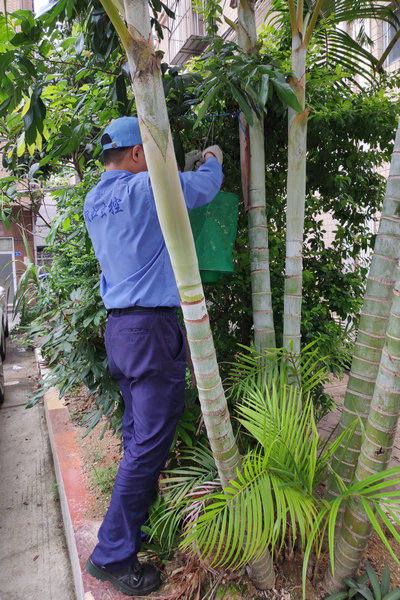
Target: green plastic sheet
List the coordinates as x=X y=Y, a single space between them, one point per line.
x=214 y=229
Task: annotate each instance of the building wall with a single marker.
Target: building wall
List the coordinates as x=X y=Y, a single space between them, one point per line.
x=23 y=218
x=187 y=22
x=15 y=255
x=13 y=5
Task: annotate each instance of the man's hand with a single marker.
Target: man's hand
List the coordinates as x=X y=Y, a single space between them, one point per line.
x=214 y=151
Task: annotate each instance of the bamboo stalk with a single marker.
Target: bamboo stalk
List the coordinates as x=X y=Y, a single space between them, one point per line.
x=373 y=322
x=352 y=537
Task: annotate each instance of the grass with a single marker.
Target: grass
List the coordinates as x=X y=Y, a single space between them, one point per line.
x=104 y=478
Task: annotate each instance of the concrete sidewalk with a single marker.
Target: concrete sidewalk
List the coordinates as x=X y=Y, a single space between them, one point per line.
x=34 y=562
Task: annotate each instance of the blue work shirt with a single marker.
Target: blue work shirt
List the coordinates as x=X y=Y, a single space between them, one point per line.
x=122 y=222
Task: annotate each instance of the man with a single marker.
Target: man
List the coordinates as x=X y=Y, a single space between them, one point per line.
x=144 y=341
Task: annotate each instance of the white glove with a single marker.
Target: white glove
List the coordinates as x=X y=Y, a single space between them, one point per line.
x=216 y=150
x=193 y=159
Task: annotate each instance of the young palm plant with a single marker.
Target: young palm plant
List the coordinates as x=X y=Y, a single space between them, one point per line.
x=277 y=493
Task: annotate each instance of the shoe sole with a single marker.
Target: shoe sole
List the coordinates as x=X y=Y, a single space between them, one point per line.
x=99 y=574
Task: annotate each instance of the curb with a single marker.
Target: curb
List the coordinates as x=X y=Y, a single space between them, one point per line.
x=80 y=532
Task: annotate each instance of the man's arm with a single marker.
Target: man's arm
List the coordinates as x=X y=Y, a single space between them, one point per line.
x=201 y=186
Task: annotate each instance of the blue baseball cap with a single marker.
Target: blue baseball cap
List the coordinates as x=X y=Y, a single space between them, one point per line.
x=121 y=133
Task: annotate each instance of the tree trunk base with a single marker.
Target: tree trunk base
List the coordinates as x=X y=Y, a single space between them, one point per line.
x=261 y=572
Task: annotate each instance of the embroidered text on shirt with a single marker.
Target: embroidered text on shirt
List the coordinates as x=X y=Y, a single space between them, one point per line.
x=113 y=208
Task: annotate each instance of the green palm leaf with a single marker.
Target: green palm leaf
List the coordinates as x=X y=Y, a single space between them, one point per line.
x=274 y=494
x=341 y=48
x=276 y=484
x=254 y=369
x=253 y=513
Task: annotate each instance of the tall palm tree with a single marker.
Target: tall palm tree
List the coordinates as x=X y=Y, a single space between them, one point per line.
x=372 y=325
x=253 y=155
x=306 y=23
x=376 y=448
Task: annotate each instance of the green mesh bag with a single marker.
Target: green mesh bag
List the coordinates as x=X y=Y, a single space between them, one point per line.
x=214 y=229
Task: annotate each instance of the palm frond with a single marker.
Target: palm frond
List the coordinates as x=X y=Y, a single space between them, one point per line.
x=197 y=465
x=251 y=513
x=254 y=369
x=176 y=490
x=350 y=10
x=284 y=425
x=341 y=48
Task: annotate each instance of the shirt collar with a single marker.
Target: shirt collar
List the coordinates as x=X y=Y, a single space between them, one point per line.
x=115 y=173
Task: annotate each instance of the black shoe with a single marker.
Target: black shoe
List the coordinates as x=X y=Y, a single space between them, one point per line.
x=136 y=580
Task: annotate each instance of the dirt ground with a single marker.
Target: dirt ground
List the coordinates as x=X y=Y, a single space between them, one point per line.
x=101 y=456
x=101 y=452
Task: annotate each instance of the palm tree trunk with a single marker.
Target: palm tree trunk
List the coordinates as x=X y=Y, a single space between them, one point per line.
x=373 y=322
x=254 y=154
x=144 y=66
x=296 y=194
x=261 y=570
x=377 y=445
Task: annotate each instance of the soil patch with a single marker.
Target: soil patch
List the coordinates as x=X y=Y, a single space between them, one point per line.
x=101 y=451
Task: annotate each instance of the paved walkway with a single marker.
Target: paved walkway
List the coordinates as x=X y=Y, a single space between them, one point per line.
x=337 y=389
x=34 y=563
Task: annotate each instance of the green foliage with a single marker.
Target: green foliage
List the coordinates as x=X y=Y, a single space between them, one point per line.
x=82 y=94
x=104 y=479
x=275 y=494
x=277 y=484
x=193 y=476
x=249 y=79
x=212 y=13
x=334 y=46
x=56 y=90
x=368 y=587
x=160 y=543
x=308 y=372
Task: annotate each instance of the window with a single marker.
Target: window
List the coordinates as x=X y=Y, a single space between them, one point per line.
x=7 y=265
x=6 y=244
x=395 y=52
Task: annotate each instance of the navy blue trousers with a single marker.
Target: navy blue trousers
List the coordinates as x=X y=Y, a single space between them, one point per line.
x=146 y=353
